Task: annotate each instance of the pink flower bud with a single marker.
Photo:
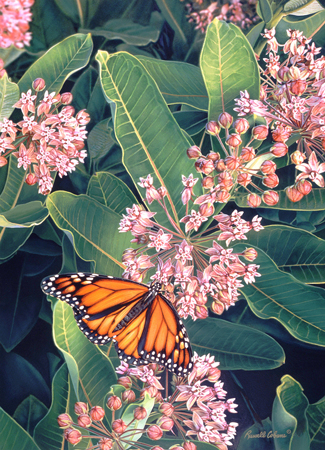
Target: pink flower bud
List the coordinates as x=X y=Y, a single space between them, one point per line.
x=176 y=447
x=201 y=312
x=208 y=182
x=105 y=444
x=154 y=432
x=281 y=134
x=247 y=154
x=232 y=162
x=207 y=166
x=125 y=381
x=293 y=194
x=217 y=307
x=128 y=396
x=254 y=200
x=279 y=149
x=222 y=196
x=119 y=426
x=298 y=87
x=270 y=198
x=225 y=120
x=66 y=98
x=140 y=413
x=80 y=408
x=206 y=210
x=214 y=156
x=83 y=117
x=114 y=403
x=4 y=162
x=234 y=140
x=166 y=408
x=2 y=73
x=38 y=84
x=244 y=179
x=283 y=73
x=166 y=423
x=97 y=413
x=156 y=447
x=214 y=374
x=189 y=446
x=250 y=254
x=220 y=165
x=193 y=152
x=297 y=157
x=84 y=420
x=152 y=391
x=271 y=180
x=260 y=132
x=241 y=125
x=73 y=436
x=212 y=127
x=268 y=167
x=304 y=187
x=64 y=420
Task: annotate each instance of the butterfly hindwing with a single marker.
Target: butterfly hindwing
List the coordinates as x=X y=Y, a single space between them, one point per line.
x=143 y=324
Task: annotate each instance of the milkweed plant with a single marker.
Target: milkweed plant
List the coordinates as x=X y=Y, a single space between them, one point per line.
x=190 y=155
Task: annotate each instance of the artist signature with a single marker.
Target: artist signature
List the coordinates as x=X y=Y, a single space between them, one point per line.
x=264 y=434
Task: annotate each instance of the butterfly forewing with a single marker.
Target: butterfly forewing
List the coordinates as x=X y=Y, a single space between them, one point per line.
x=143 y=323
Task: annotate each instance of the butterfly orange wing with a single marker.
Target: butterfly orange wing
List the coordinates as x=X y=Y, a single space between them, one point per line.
x=108 y=308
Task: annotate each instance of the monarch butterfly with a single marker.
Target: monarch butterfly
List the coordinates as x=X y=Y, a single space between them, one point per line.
x=143 y=324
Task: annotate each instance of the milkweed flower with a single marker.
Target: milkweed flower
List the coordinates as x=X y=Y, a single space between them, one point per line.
x=292 y=102
x=50 y=138
x=190 y=270
x=14 y=23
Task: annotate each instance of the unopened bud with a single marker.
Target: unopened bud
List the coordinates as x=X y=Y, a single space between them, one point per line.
x=214 y=156
x=247 y=154
x=206 y=209
x=105 y=444
x=140 y=413
x=250 y=254
x=38 y=84
x=270 y=198
x=241 y=125
x=271 y=180
x=154 y=432
x=232 y=162
x=206 y=166
x=84 y=421
x=166 y=408
x=268 y=167
x=234 y=140
x=225 y=120
x=260 y=132
x=193 y=152
x=125 y=381
x=119 y=426
x=189 y=445
x=217 y=307
x=166 y=423
x=279 y=149
x=152 y=391
x=214 y=374
x=304 y=187
x=4 y=162
x=128 y=396
x=208 y=182
x=80 y=408
x=73 y=436
x=297 y=157
x=222 y=196
x=66 y=98
x=97 y=413
x=220 y=165
x=283 y=73
x=244 y=179
x=293 y=194
x=297 y=87
x=114 y=403
x=254 y=200
x=64 y=420
x=213 y=127
x=201 y=311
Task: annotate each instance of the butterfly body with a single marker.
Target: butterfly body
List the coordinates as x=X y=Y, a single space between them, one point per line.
x=143 y=324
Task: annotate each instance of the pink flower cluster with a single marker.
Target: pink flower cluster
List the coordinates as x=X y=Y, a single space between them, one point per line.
x=202 y=12
x=241 y=163
x=198 y=401
x=192 y=267
x=49 y=138
x=292 y=99
x=14 y=23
